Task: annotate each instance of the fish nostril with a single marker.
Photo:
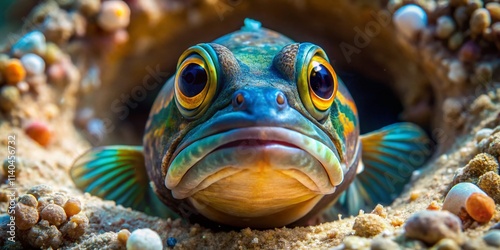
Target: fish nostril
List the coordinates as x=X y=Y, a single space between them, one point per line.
x=280 y=99
x=239 y=99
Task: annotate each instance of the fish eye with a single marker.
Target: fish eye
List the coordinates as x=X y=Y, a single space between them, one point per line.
x=192 y=78
x=316 y=80
x=322 y=83
x=195 y=81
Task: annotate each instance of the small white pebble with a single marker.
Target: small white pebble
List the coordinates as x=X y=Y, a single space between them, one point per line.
x=416 y=174
x=457 y=73
x=113 y=15
x=442 y=159
x=464 y=152
x=410 y=19
x=483 y=134
x=33 y=64
x=96 y=127
x=23 y=86
x=255 y=240
x=445 y=27
x=144 y=239
x=452 y=106
x=356 y=242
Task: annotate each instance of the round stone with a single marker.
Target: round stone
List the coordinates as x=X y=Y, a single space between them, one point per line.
x=410 y=19
x=433 y=226
x=144 y=239
x=33 y=64
x=492 y=238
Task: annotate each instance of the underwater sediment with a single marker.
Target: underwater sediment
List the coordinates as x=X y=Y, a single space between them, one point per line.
x=84 y=72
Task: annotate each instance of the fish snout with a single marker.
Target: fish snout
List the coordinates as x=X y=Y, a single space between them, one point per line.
x=259 y=101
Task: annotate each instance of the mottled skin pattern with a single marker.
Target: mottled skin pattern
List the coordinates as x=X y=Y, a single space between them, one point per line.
x=252 y=59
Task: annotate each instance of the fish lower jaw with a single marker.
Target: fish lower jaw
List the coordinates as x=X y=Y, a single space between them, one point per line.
x=261 y=198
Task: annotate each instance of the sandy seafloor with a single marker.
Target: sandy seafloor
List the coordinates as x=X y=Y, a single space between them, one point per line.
x=416 y=67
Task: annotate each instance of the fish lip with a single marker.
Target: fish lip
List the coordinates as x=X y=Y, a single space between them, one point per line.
x=237 y=120
x=191 y=152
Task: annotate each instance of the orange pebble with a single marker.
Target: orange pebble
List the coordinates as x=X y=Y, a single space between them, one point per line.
x=433 y=206
x=480 y=207
x=39 y=132
x=72 y=207
x=123 y=236
x=14 y=71
x=414 y=195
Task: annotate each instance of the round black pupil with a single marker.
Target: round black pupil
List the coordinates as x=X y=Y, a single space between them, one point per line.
x=193 y=79
x=321 y=81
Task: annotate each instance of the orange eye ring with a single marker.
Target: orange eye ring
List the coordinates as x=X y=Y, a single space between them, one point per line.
x=317 y=65
x=317 y=82
x=187 y=101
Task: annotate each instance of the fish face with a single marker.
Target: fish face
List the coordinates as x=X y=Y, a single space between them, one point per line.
x=254 y=159
x=252 y=131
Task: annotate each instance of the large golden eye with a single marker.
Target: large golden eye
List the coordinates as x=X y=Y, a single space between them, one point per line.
x=316 y=80
x=192 y=82
x=195 y=80
x=322 y=83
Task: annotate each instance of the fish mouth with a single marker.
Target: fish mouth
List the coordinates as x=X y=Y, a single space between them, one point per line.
x=197 y=164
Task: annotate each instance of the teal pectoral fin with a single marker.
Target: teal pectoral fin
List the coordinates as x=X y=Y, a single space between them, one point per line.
x=118 y=173
x=389 y=157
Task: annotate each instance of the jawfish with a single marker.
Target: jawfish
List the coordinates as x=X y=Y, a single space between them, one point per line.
x=254 y=130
